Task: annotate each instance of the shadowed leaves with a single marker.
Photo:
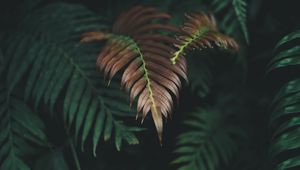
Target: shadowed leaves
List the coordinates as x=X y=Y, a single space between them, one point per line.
x=209 y=142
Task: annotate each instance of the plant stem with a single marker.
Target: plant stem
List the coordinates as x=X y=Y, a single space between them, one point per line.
x=76 y=160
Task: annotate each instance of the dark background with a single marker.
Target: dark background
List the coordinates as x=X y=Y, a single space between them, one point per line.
x=238 y=86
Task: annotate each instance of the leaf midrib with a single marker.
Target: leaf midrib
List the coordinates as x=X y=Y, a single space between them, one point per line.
x=198 y=34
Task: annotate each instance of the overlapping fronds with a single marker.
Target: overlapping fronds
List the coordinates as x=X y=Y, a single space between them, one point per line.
x=208 y=141
x=235 y=17
x=61 y=74
x=284 y=120
x=136 y=46
x=21 y=133
x=198 y=32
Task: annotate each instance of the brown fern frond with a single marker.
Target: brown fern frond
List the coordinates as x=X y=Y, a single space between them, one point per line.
x=200 y=31
x=137 y=46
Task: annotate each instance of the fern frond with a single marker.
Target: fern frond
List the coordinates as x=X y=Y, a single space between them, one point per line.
x=21 y=133
x=59 y=71
x=286 y=57
x=284 y=119
x=285 y=127
x=235 y=16
x=198 y=32
x=208 y=141
x=135 y=46
x=241 y=14
x=288 y=38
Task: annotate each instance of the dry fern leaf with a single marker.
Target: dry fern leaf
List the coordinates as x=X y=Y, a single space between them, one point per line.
x=200 y=31
x=136 y=46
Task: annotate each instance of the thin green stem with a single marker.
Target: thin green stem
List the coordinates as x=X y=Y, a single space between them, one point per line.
x=73 y=150
x=197 y=35
x=74 y=153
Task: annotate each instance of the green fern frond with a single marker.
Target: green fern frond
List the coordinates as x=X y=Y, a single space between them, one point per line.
x=207 y=143
x=241 y=14
x=21 y=132
x=55 y=66
x=285 y=57
x=285 y=126
x=284 y=119
x=288 y=38
x=235 y=18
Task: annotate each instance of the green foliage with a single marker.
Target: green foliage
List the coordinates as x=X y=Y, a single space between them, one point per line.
x=286 y=55
x=235 y=17
x=54 y=65
x=22 y=133
x=284 y=120
x=52 y=95
x=285 y=126
x=208 y=141
x=241 y=14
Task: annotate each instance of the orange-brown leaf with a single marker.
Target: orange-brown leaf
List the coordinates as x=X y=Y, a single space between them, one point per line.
x=200 y=31
x=135 y=46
